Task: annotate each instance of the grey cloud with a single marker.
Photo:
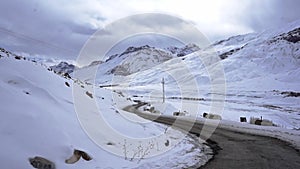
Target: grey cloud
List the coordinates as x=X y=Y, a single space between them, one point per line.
x=265 y=14
x=39 y=29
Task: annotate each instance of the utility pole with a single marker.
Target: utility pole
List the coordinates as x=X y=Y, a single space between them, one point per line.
x=163 y=88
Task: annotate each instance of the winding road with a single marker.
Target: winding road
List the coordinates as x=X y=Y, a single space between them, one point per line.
x=235 y=150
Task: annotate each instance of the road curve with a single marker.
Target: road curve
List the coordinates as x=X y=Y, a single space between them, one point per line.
x=236 y=150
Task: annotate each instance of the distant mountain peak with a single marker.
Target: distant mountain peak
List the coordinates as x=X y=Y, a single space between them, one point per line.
x=134 y=49
x=63 y=67
x=135 y=59
x=182 y=51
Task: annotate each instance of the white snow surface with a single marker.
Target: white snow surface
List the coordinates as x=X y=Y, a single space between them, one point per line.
x=38 y=119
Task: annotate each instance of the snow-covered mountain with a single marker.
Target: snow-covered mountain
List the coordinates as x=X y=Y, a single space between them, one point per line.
x=245 y=57
x=136 y=59
x=258 y=68
x=132 y=60
x=271 y=56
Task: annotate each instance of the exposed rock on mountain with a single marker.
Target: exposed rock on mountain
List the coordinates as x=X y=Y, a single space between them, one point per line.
x=63 y=67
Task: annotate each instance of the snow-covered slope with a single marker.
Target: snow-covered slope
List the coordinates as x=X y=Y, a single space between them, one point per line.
x=271 y=61
x=38 y=119
x=258 y=67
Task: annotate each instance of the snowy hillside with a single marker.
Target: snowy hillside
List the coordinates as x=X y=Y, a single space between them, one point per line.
x=272 y=62
x=38 y=119
x=259 y=68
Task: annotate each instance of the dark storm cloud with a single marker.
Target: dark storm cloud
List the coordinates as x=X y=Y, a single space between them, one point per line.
x=38 y=28
x=265 y=14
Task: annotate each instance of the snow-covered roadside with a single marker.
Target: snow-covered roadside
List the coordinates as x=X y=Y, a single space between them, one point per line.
x=190 y=156
x=291 y=136
x=38 y=119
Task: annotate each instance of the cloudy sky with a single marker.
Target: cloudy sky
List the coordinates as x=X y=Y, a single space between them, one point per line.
x=60 y=28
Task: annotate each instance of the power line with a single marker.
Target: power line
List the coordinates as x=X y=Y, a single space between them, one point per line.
x=25 y=37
